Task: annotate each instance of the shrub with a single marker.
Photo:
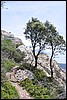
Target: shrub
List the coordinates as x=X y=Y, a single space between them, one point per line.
x=40 y=74
x=3 y=77
x=8 y=45
x=35 y=90
x=59 y=90
x=8 y=64
x=18 y=56
x=27 y=66
x=10 y=48
x=8 y=91
x=34 y=81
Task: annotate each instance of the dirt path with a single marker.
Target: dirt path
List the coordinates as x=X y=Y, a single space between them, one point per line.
x=22 y=93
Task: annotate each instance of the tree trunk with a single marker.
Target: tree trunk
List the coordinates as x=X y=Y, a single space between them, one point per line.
x=36 y=58
x=51 y=67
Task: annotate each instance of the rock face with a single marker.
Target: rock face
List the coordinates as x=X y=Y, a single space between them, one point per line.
x=44 y=63
x=28 y=52
x=9 y=35
x=6 y=34
x=23 y=74
x=19 y=75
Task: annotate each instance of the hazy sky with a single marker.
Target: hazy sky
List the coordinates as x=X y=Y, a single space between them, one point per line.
x=18 y=13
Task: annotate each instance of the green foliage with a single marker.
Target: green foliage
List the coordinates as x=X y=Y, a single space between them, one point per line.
x=59 y=90
x=35 y=90
x=34 y=81
x=18 y=56
x=8 y=48
x=55 y=41
x=49 y=79
x=36 y=27
x=8 y=45
x=8 y=91
x=27 y=66
x=40 y=74
x=35 y=31
x=7 y=65
x=3 y=77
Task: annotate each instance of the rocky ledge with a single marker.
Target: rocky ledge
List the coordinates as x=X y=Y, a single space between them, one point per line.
x=19 y=75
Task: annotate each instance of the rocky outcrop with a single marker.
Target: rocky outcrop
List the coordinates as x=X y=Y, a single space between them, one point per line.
x=44 y=63
x=6 y=34
x=9 y=35
x=28 y=52
x=19 y=75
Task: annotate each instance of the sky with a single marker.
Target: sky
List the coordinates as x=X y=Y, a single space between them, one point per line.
x=14 y=18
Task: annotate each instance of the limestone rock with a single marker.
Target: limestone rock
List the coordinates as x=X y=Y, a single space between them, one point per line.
x=9 y=35
x=19 y=75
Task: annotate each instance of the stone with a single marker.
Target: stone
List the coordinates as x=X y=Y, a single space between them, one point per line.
x=20 y=75
x=8 y=75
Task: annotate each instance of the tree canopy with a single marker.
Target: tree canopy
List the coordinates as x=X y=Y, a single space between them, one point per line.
x=44 y=35
x=36 y=32
x=55 y=41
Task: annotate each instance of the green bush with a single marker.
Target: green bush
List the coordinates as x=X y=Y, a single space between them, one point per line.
x=8 y=64
x=59 y=90
x=8 y=45
x=8 y=91
x=27 y=66
x=8 y=48
x=40 y=74
x=17 y=57
x=36 y=90
x=3 y=77
x=34 y=81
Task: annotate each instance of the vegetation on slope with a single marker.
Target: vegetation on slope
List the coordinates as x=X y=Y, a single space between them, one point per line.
x=10 y=57
x=35 y=90
x=41 y=87
x=8 y=91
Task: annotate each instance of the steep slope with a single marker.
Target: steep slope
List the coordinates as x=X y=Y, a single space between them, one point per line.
x=15 y=53
x=22 y=93
x=44 y=63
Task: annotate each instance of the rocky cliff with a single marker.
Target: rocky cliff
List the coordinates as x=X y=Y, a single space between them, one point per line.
x=9 y=35
x=43 y=63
